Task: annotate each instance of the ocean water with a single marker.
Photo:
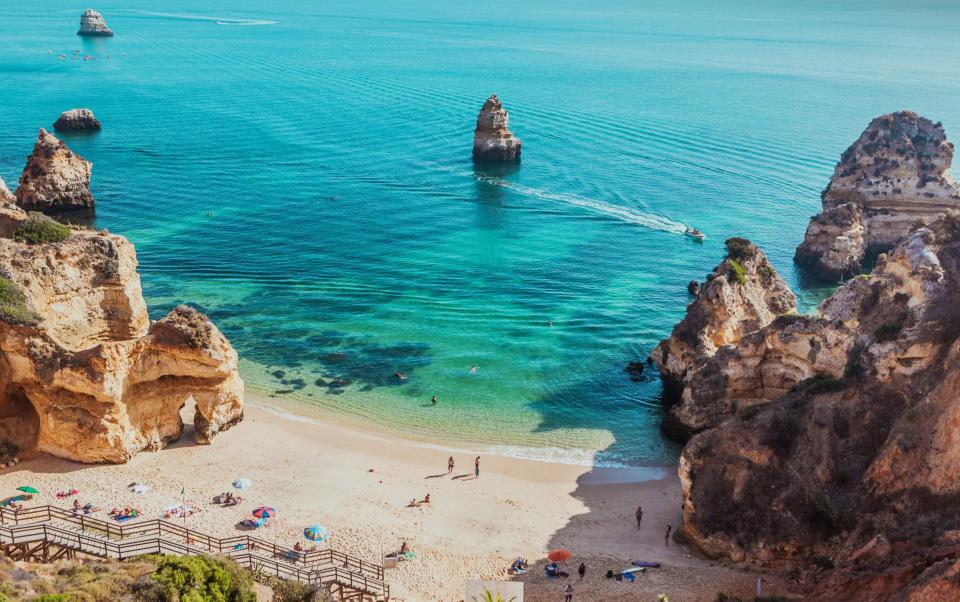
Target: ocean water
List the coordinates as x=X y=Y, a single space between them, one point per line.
x=301 y=171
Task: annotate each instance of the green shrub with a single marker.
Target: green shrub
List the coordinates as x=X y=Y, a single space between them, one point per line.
x=737 y=272
x=888 y=332
x=740 y=249
x=53 y=598
x=294 y=591
x=816 y=384
x=13 y=305
x=203 y=579
x=39 y=229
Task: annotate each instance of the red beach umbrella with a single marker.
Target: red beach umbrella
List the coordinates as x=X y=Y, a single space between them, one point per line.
x=558 y=555
x=265 y=512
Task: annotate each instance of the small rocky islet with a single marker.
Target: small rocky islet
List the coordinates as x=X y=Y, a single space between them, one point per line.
x=93 y=25
x=77 y=120
x=493 y=142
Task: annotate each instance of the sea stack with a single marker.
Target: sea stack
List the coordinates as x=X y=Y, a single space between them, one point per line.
x=742 y=295
x=893 y=179
x=493 y=142
x=93 y=25
x=54 y=179
x=77 y=120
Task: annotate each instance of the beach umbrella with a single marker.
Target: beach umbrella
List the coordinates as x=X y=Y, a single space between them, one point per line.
x=242 y=483
x=558 y=555
x=265 y=512
x=27 y=489
x=140 y=488
x=316 y=533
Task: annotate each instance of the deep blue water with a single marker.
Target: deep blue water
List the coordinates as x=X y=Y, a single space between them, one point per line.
x=352 y=237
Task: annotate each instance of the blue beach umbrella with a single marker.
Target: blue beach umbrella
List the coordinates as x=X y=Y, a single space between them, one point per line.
x=316 y=533
x=265 y=512
x=242 y=483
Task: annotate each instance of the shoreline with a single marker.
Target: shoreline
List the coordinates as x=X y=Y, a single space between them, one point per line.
x=296 y=411
x=358 y=484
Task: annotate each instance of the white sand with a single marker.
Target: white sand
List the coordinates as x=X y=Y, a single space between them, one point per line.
x=473 y=529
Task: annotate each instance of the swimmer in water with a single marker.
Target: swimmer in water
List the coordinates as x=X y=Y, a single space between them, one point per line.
x=473 y=369
x=550 y=323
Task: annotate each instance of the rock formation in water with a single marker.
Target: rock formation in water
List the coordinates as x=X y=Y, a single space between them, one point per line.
x=93 y=25
x=84 y=374
x=743 y=294
x=849 y=481
x=77 y=120
x=54 y=179
x=493 y=142
x=893 y=178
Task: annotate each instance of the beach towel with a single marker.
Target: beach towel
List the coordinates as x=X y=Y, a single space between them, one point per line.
x=649 y=565
x=123 y=518
x=630 y=577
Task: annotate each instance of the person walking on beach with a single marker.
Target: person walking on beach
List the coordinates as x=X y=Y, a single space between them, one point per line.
x=582 y=570
x=476 y=468
x=450 y=465
x=639 y=515
x=666 y=536
x=433 y=400
x=568 y=593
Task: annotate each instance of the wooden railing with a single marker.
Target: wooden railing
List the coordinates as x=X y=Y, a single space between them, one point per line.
x=159 y=527
x=151 y=537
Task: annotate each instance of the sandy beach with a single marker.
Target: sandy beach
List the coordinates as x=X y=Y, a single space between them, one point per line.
x=359 y=484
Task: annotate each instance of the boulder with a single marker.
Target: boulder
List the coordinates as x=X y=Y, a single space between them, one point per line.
x=93 y=25
x=849 y=479
x=54 y=179
x=84 y=374
x=894 y=178
x=6 y=197
x=493 y=142
x=743 y=294
x=77 y=120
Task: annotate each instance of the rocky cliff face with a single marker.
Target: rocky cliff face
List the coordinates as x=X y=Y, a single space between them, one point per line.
x=6 y=197
x=893 y=177
x=54 y=179
x=743 y=294
x=77 y=120
x=84 y=374
x=93 y=25
x=493 y=142
x=850 y=480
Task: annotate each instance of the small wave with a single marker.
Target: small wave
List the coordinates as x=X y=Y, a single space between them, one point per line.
x=651 y=220
x=217 y=20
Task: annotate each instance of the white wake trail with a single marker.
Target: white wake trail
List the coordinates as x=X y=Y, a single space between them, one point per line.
x=651 y=220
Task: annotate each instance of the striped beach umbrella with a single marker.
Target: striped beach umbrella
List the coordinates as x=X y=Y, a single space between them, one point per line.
x=265 y=512
x=316 y=533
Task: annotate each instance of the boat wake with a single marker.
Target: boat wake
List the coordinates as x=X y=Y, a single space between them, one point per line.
x=217 y=20
x=646 y=219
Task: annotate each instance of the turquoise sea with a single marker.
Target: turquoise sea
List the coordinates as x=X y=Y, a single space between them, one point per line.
x=351 y=237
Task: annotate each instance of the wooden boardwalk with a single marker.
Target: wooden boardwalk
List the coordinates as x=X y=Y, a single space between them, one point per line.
x=49 y=533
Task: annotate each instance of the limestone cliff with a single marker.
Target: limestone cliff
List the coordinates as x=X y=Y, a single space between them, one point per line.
x=6 y=197
x=743 y=294
x=54 y=179
x=84 y=374
x=894 y=177
x=77 y=120
x=850 y=480
x=92 y=24
x=493 y=142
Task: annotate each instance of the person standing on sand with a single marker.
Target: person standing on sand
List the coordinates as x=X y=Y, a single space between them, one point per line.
x=666 y=536
x=450 y=465
x=582 y=570
x=568 y=593
x=476 y=468
x=639 y=515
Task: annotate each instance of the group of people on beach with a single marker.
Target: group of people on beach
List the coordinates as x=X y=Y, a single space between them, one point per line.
x=666 y=533
x=476 y=466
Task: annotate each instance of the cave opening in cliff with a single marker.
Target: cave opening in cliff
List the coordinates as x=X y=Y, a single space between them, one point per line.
x=19 y=420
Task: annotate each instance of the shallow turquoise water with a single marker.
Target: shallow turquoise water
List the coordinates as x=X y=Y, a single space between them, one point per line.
x=352 y=237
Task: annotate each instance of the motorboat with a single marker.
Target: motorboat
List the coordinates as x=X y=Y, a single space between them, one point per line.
x=694 y=233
